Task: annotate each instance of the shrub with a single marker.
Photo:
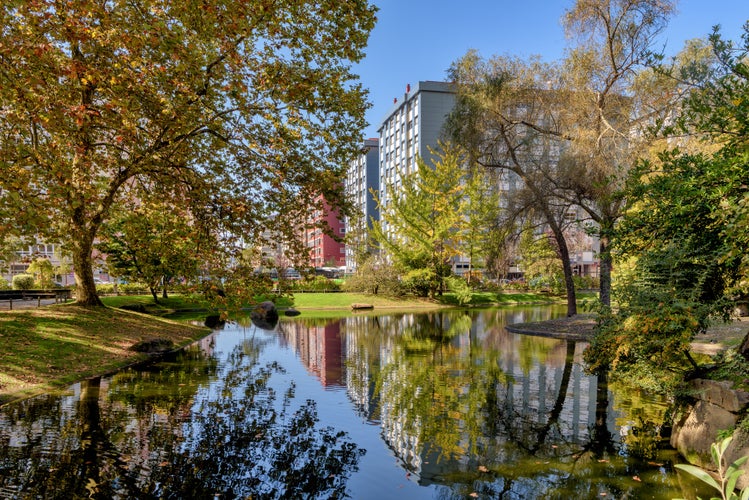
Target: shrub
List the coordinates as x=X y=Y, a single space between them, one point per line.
x=420 y=281
x=105 y=289
x=23 y=282
x=375 y=277
x=460 y=288
x=316 y=284
x=4 y=285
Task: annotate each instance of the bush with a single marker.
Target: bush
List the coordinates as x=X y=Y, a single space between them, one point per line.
x=460 y=288
x=420 y=282
x=23 y=282
x=316 y=284
x=4 y=285
x=105 y=289
x=375 y=277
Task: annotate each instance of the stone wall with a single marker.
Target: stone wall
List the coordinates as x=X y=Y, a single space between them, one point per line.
x=717 y=407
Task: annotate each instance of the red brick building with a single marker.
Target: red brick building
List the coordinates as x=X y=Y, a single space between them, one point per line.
x=324 y=251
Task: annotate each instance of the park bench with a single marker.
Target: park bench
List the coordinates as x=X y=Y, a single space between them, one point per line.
x=59 y=294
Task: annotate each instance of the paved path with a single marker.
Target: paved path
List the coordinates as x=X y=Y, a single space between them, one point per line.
x=25 y=304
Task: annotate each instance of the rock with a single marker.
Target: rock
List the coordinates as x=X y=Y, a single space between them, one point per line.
x=698 y=429
x=265 y=315
x=292 y=312
x=721 y=394
x=153 y=346
x=214 y=321
x=717 y=408
x=738 y=448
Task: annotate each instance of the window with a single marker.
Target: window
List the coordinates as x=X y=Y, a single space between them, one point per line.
x=343 y=230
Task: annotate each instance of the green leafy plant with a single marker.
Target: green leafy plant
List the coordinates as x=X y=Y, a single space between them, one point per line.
x=23 y=282
x=727 y=476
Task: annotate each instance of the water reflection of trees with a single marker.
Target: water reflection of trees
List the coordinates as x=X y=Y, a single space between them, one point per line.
x=190 y=429
x=463 y=402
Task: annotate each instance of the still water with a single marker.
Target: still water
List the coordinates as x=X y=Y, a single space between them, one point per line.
x=441 y=405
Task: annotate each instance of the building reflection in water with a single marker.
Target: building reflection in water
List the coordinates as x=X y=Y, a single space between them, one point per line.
x=450 y=390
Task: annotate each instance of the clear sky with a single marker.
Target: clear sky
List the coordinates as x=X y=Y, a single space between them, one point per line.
x=417 y=40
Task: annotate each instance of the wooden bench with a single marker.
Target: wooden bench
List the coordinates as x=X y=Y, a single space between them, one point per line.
x=59 y=294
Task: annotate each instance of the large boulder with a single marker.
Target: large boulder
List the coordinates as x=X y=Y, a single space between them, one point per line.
x=265 y=315
x=717 y=407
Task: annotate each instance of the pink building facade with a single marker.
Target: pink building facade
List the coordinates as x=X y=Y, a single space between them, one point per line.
x=324 y=251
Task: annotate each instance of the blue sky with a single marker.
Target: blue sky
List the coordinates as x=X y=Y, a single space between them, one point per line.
x=416 y=40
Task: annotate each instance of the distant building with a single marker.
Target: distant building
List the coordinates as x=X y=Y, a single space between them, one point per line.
x=324 y=250
x=362 y=178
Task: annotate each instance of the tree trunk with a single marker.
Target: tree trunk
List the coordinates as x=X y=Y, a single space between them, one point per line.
x=154 y=294
x=564 y=255
x=85 y=292
x=606 y=261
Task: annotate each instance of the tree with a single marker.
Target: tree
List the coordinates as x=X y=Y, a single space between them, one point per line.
x=480 y=230
x=154 y=245
x=571 y=131
x=612 y=100
x=687 y=231
x=423 y=218
x=508 y=124
x=231 y=107
x=43 y=271
x=539 y=260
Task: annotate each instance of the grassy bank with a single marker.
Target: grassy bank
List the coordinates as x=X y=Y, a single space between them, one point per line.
x=51 y=347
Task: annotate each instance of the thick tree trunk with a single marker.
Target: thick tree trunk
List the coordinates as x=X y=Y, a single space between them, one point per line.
x=83 y=270
x=564 y=255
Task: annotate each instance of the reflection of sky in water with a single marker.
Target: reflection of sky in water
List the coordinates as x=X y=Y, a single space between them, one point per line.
x=445 y=405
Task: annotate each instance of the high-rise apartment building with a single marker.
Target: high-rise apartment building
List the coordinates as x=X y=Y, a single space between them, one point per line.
x=362 y=178
x=412 y=126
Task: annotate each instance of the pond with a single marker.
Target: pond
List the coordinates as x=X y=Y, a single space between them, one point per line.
x=446 y=404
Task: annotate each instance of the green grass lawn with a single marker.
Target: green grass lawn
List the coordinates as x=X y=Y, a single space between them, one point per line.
x=51 y=347
x=342 y=301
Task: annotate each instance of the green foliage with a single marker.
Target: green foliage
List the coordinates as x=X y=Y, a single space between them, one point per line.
x=243 y=113
x=23 y=282
x=315 y=284
x=4 y=285
x=685 y=236
x=153 y=244
x=731 y=365
x=423 y=219
x=728 y=475
x=646 y=340
x=43 y=272
x=421 y=282
x=540 y=262
x=375 y=276
x=462 y=290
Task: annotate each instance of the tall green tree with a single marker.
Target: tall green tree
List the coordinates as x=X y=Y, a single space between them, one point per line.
x=423 y=219
x=480 y=229
x=233 y=107
x=43 y=271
